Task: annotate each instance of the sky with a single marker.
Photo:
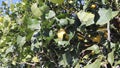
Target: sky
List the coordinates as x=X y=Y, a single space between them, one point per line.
x=13 y=1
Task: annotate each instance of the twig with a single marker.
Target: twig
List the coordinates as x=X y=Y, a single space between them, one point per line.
x=108 y=38
x=108 y=29
x=33 y=64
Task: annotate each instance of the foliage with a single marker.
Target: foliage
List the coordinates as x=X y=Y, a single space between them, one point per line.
x=60 y=34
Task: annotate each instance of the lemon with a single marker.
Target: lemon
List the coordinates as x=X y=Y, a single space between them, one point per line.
x=93 y=6
x=61 y=33
x=96 y=39
x=92 y=52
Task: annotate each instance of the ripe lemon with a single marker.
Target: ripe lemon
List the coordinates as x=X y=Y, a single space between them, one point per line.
x=96 y=39
x=61 y=33
x=93 y=6
x=92 y=52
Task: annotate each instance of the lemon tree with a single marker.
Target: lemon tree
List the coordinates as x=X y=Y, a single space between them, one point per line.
x=60 y=34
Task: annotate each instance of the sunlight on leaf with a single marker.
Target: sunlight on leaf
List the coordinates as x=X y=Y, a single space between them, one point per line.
x=105 y=15
x=65 y=60
x=95 y=48
x=63 y=22
x=111 y=57
x=35 y=10
x=14 y=62
x=95 y=64
x=21 y=40
x=51 y=14
x=10 y=49
x=33 y=24
x=35 y=59
x=86 y=18
x=57 y=1
x=77 y=66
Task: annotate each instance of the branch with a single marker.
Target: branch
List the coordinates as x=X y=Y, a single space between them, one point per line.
x=32 y=64
x=108 y=29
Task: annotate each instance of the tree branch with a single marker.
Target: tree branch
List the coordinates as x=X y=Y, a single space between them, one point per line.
x=108 y=29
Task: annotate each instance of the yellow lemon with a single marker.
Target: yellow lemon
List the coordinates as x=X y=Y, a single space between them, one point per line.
x=93 y=6
x=96 y=39
x=61 y=33
x=92 y=52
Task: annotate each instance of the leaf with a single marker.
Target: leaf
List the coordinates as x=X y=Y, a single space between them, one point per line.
x=14 y=62
x=66 y=60
x=105 y=15
x=33 y=24
x=111 y=57
x=35 y=10
x=51 y=33
x=86 y=18
x=95 y=64
x=114 y=13
x=21 y=40
x=57 y=1
x=10 y=49
x=63 y=43
x=51 y=14
x=116 y=63
x=95 y=48
x=71 y=21
x=71 y=35
x=12 y=7
x=28 y=56
x=44 y=8
x=77 y=66
x=35 y=59
x=63 y=22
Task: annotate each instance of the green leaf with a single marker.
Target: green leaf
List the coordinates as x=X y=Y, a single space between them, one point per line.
x=35 y=10
x=105 y=15
x=10 y=49
x=77 y=66
x=71 y=35
x=33 y=24
x=111 y=57
x=51 y=14
x=63 y=22
x=114 y=13
x=116 y=63
x=35 y=59
x=12 y=7
x=95 y=48
x=103 y=1
x=44 y=8
x=21 y=40
x=63 y=43
x=86 y=18
x=57 y=1
x=51 y=33
x=95 y=64
x=71 y=21
x=66 y=60
x=14 y=62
